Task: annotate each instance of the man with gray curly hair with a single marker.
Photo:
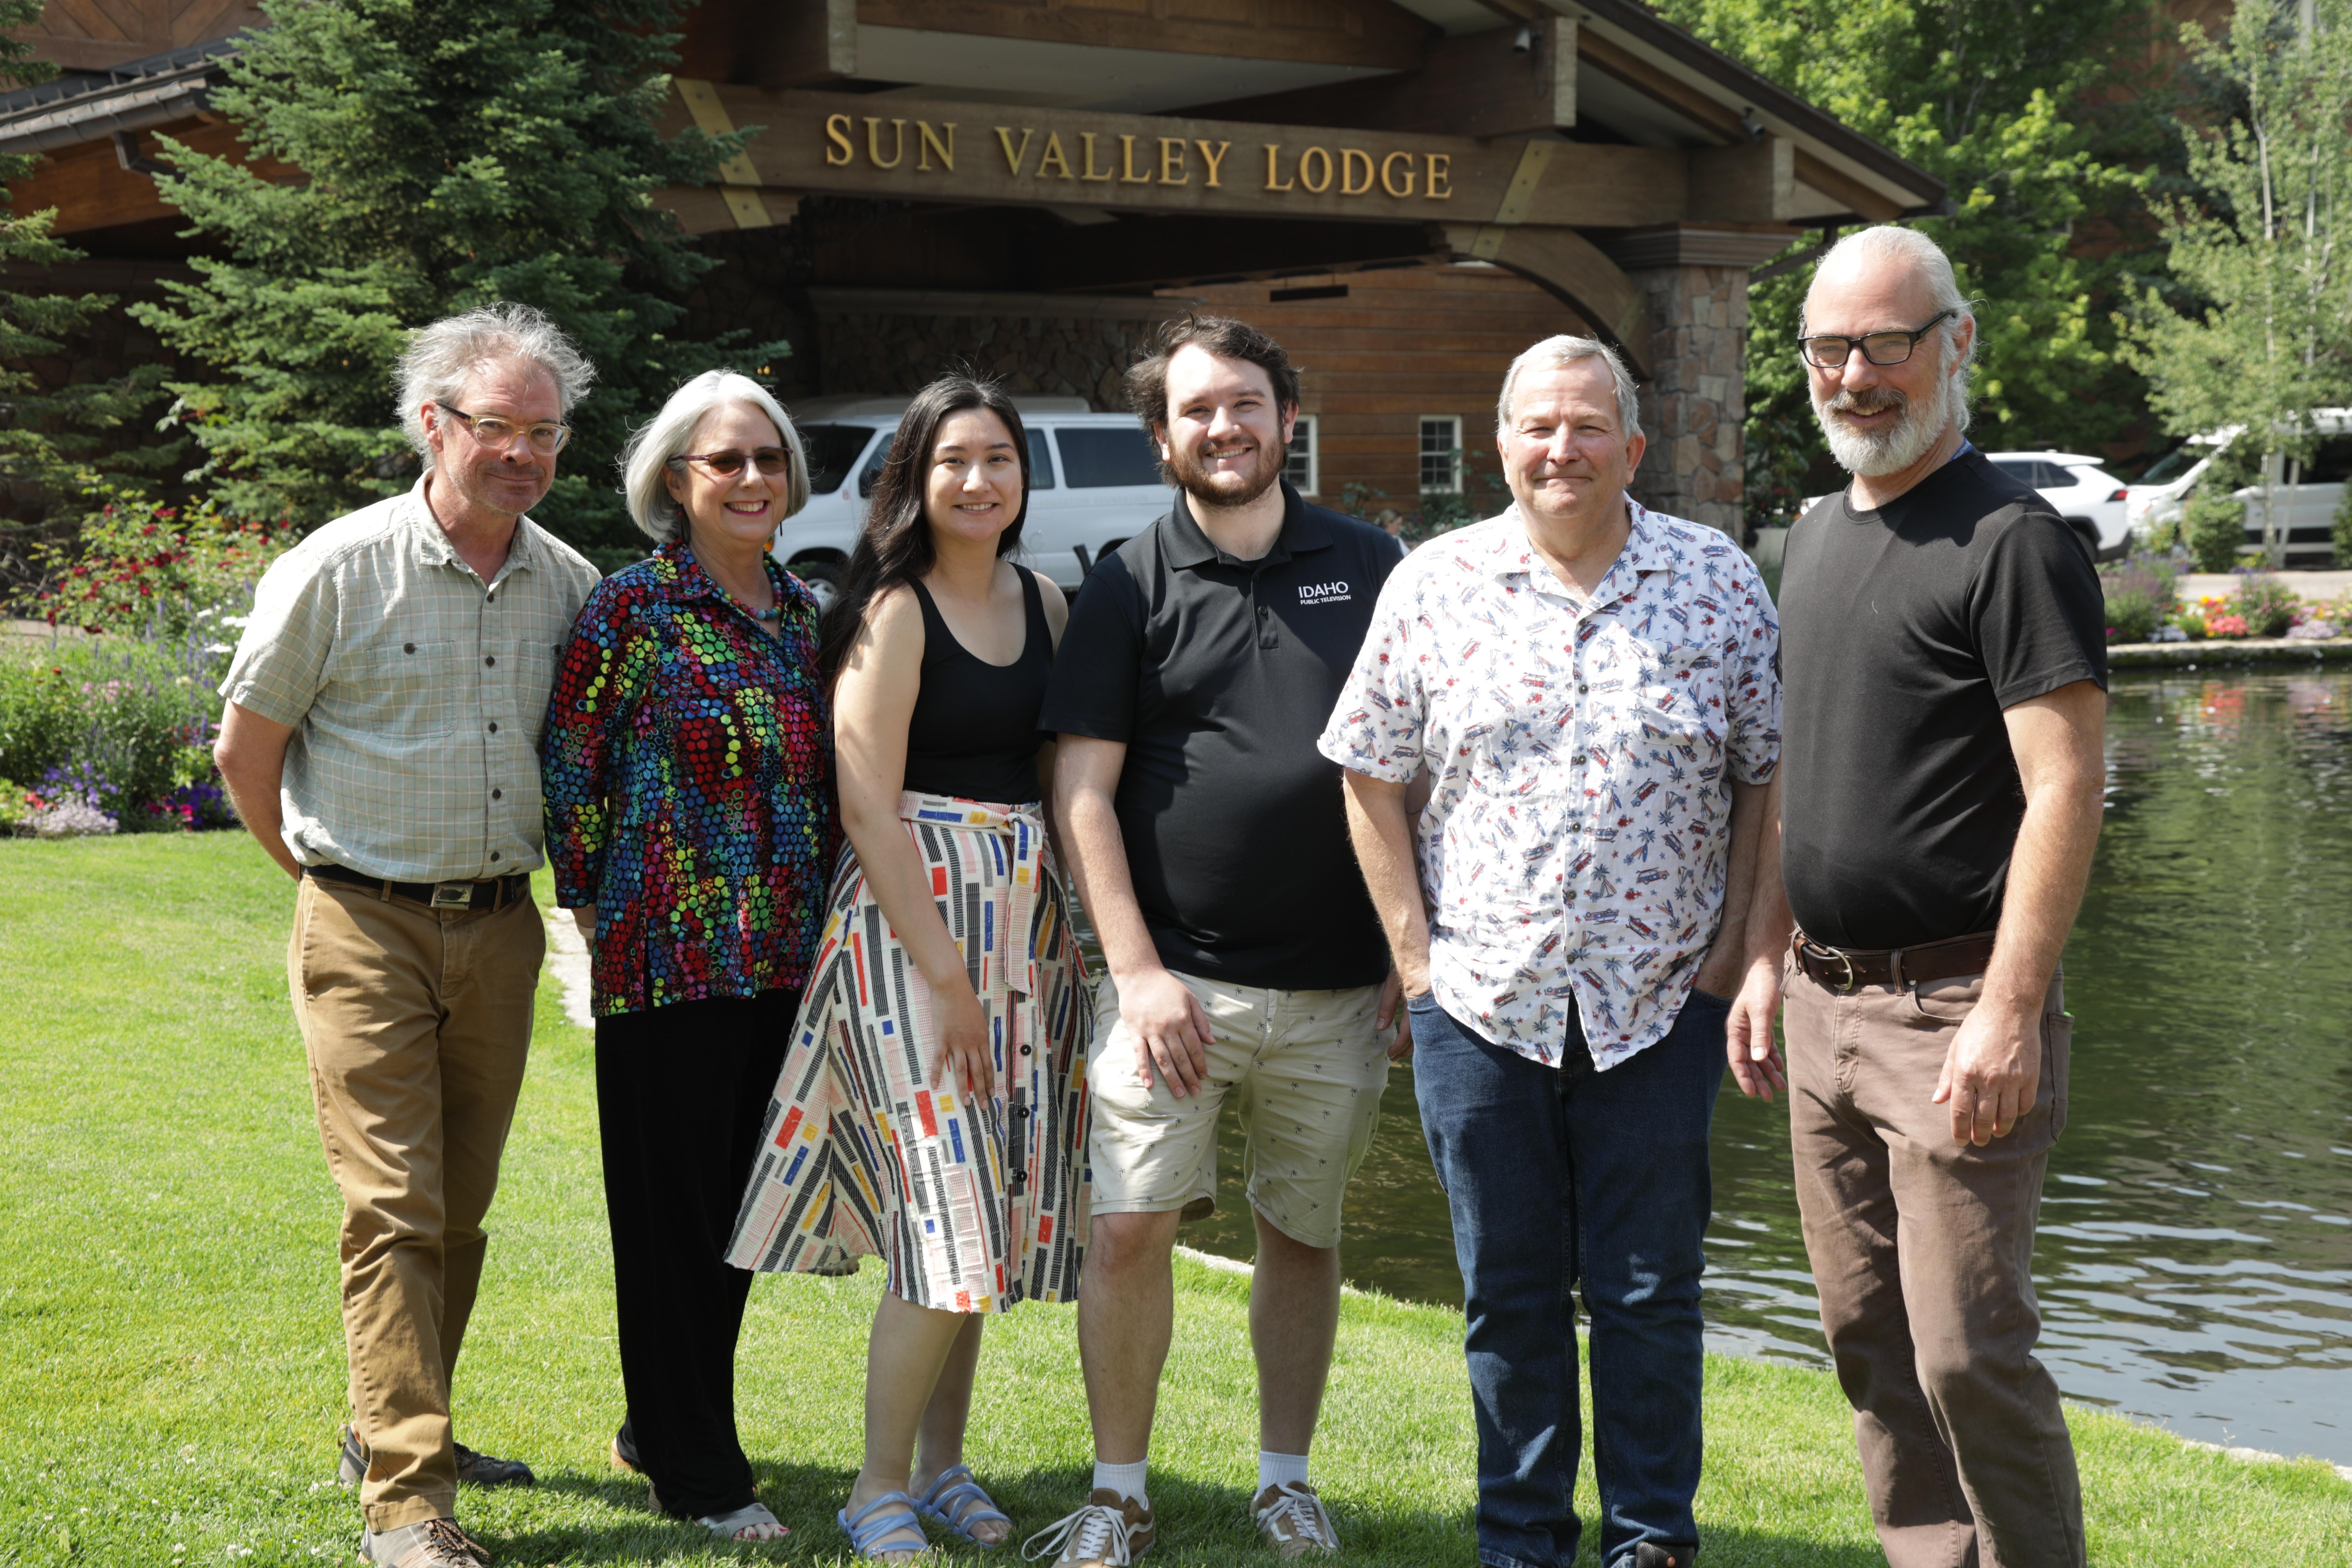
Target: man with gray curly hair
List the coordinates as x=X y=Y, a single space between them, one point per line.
x=382 y=742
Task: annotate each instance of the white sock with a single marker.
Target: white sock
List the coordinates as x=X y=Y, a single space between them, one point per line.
x=1127 y=1480
x=1274 y=1469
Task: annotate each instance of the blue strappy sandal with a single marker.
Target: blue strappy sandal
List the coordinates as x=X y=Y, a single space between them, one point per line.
x=864 y=1530
x=941 y=1502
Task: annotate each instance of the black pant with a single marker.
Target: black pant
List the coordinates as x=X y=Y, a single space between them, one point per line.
x=680 y=1091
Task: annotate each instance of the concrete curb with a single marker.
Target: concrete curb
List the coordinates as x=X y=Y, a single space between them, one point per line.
x=2227 y=650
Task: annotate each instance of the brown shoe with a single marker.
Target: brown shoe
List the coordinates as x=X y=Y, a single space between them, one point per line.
x=1110 y=1531
x=436 y=1543
x=1292 y=1520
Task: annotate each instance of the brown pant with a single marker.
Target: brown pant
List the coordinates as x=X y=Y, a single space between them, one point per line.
x=1922 y=1250
x=416 y=1023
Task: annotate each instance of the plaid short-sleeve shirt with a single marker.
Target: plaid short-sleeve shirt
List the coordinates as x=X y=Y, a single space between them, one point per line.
x=416 y=692
x=1580 y=755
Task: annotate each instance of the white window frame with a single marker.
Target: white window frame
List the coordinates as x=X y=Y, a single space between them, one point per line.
x=1305 y=444
x=1452 y=422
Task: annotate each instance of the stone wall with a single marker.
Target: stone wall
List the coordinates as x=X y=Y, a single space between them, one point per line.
x=1693 y=408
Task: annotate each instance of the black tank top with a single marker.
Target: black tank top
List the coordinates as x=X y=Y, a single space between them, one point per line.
x=974 y=730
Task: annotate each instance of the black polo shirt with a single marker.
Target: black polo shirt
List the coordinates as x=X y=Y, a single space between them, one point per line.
x=1218 y=675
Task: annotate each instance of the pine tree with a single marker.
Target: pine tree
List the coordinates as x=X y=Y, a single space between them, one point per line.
x=448 y=156
x=50 y=439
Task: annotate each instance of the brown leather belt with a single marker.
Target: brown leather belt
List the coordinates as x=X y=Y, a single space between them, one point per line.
x=1843 y=971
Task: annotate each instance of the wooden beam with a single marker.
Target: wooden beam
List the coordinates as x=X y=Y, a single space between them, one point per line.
x=90 y=189
x=1473 y=84
x=1667 y=89
x=913 y=150
x=1754 y=181
x=1570 y=268
x=1838 y=186
x=804 y=43
x=1319 y=32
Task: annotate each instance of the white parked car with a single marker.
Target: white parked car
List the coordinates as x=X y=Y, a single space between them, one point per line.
x=2306 y=494
x=1094 y=483
x=2091 y=500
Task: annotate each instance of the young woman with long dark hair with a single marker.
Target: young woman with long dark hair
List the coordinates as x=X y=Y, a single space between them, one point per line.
x=931 y=1105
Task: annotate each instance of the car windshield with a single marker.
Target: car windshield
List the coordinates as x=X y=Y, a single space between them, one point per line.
x=832 y=449
x=2173 y=464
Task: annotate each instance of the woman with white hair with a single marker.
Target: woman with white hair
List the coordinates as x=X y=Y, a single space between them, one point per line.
x=691 y=822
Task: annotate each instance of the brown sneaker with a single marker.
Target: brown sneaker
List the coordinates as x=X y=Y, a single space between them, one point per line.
x=1110 y=1531
x=1292 y=1520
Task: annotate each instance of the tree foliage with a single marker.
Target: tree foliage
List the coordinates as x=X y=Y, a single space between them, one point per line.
x=49 y=436
x=431 y=156
x=2261 y=248
x=2004 y=100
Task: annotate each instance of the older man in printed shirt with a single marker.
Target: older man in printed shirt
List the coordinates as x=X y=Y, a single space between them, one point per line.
x=1589 y=688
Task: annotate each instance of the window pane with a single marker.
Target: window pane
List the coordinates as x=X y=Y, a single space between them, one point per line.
x=1041 y=462
x=872 y=472
x=1098 y=456
x=2174 y=464
x=2331 y=464
x=831 y=449
x=1440 y=438
x=1298 y=460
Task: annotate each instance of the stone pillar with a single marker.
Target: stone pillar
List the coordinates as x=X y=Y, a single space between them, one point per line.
x=1694 y=407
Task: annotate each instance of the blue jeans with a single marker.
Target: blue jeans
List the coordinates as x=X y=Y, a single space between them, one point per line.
x=1562 y=1176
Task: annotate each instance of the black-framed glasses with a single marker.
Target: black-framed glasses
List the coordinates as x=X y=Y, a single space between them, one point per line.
x=544 y=439
x=772 y=461
x=1827 y=351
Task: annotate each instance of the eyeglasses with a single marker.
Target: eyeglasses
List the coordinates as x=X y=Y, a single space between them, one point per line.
x=769 y=460
x=1827 y=352
x=544 y=440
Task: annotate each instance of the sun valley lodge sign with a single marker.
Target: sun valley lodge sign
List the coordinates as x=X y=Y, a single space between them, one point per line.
x=896 y=148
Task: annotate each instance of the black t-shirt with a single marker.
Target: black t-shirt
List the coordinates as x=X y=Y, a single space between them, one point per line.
x=1903 y=634
x=973 y=732
x=1218 y=675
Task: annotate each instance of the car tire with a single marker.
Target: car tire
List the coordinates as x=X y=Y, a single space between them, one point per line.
x=823 y=579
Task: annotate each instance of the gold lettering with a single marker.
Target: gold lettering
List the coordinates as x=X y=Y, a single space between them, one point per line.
x=1214 y=159
x=1307 y=180
x=1441 y=173
x=1013 y=158
x=931 y=144
x=1388 y=173
x=1088 y=139
x=1273 y=168
x=873 y=143
x=1349 y=158
x=1171 y=161
x=1053 y=155
x=1127 y=176
x=836 y=131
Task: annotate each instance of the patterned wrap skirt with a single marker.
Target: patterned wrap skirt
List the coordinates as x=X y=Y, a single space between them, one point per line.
x=870 y=1147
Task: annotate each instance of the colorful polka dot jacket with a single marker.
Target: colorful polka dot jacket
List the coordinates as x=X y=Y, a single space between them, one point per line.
x=688 y=774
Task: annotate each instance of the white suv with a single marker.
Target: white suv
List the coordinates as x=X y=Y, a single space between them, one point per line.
x=1094 y=483
x=2091 y=500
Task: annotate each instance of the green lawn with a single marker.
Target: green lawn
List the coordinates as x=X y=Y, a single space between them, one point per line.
x=172 y=1368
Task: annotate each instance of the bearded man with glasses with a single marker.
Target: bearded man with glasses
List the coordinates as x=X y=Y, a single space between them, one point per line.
x=381 y=741
x=1944 y=657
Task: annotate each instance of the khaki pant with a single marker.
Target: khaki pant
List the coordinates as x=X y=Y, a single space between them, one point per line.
x=1309 y=1068
x=416 y=1023
x=1922 y=1250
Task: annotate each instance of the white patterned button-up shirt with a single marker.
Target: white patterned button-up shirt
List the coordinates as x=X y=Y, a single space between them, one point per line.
x=416 y=692
x=1580 y=761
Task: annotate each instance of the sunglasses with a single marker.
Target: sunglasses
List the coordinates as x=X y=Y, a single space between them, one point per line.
x=769 y=460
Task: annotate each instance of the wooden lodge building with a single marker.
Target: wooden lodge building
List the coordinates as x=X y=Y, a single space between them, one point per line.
x=1405 y=192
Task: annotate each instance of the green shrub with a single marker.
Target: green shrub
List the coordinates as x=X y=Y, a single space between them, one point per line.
x=121 y=722
x=2343 y=529
x=2213 y=525
x=2267 y=604
x=2132 y=615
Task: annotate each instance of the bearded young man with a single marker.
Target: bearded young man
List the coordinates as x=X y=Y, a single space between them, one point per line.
x=1206 y=839
x=1945 y=657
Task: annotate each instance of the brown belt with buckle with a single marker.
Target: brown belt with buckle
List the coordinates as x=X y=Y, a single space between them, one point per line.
x=490 y=893
x=1843 y=970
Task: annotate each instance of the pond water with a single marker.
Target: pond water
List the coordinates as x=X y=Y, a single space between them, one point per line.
x=2195 y=1264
